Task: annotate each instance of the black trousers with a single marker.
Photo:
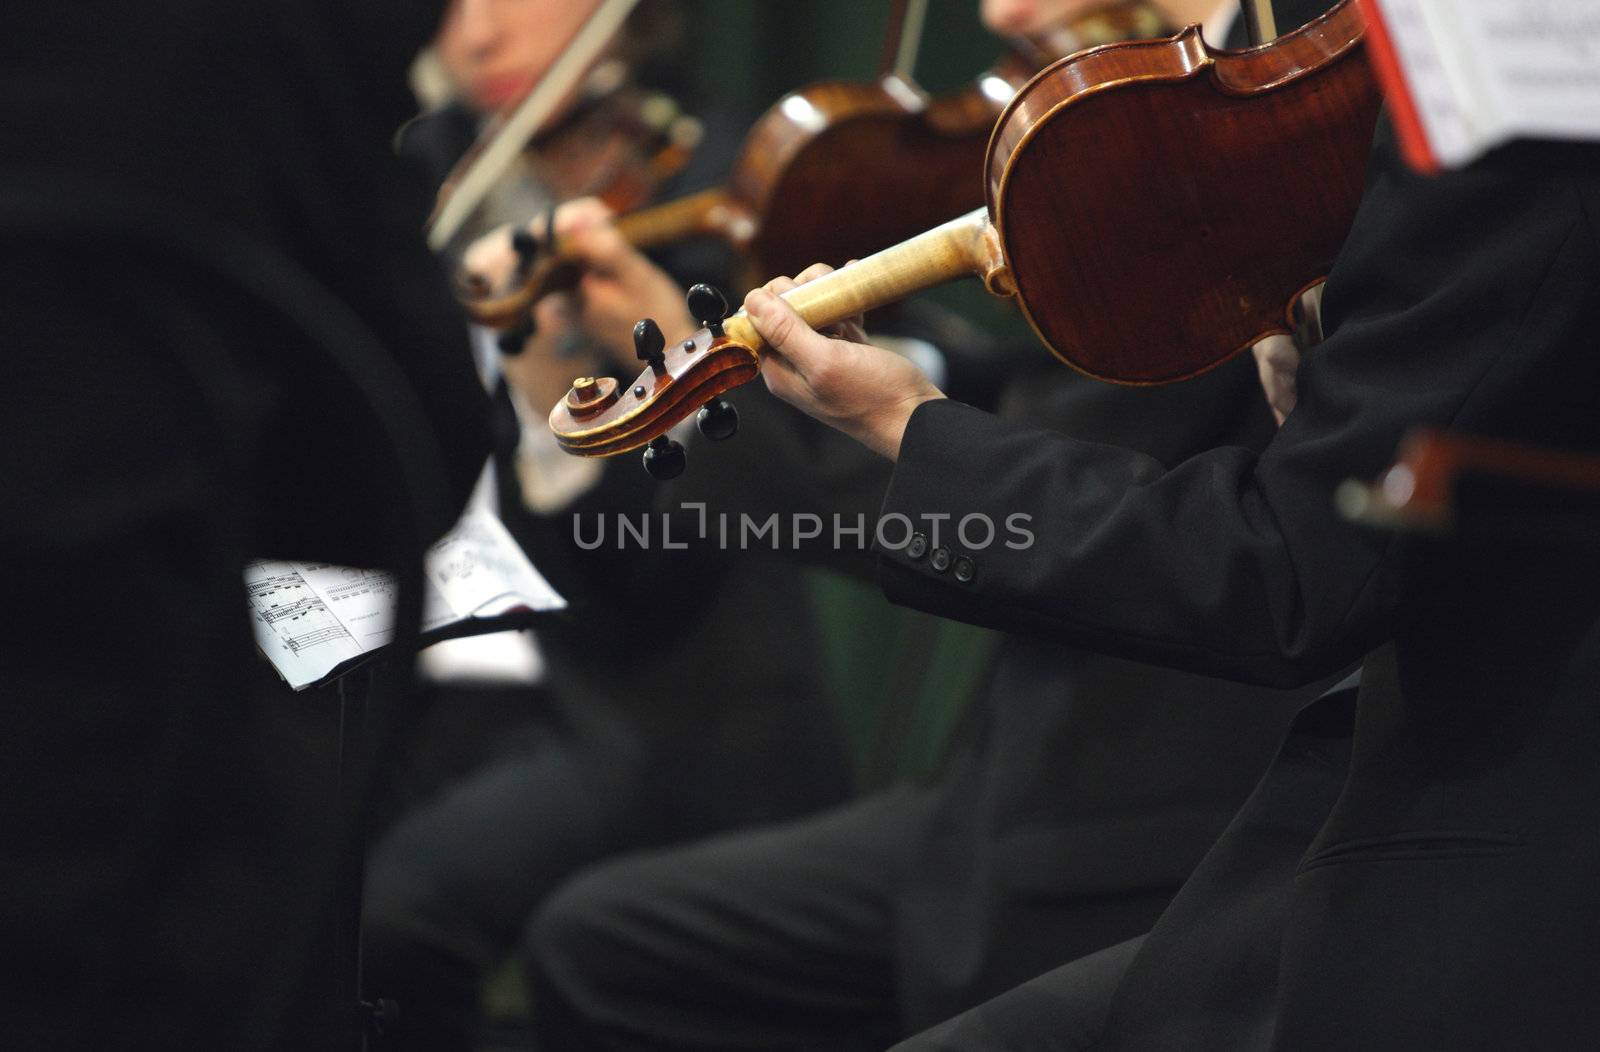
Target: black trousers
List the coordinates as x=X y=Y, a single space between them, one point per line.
x=1061 y=1011
x=782 y=938
x=1205 y=977
x=454 y=882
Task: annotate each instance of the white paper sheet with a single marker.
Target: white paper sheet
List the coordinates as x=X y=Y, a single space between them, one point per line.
x=1484 y=71
x=311 y=617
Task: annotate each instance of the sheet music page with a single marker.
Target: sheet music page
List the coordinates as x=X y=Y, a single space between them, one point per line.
x=310 y=617
x=478 y=569
x=1485 y=71
x=1536 y=64
x=1431 y=87
x=294 y=626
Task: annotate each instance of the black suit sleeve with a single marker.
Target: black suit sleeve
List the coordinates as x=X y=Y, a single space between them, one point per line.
x=1456 y=301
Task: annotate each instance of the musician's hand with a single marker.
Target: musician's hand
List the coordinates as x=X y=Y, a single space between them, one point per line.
x=619 y=285
x=865 y=391
x=557 y=351
x=1278 y=366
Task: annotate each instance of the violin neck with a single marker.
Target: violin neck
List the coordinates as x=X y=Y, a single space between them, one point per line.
x=963 y=247
x=664 y=224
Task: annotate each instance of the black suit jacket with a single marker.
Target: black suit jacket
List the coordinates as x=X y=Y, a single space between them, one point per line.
x=1447 y=901
x=165 y=803
x=1093 y=784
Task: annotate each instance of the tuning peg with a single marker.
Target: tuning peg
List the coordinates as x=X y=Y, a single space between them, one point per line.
x=664 y=458
x=717 y=420
x=526 y=246
x=709 y=307
x=648 y=343
x=512 y=341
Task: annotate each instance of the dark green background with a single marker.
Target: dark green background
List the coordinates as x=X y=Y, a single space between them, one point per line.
x=759 y=50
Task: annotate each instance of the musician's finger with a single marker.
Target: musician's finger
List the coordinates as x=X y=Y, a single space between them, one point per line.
x=813 y=272
x=579 y=214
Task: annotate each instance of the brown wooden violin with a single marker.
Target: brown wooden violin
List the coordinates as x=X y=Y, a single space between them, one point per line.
x=1155 y=208
x=619 y=146
x=584 y=129
x=1418 y=492
x=618 y=142
x=834 y=171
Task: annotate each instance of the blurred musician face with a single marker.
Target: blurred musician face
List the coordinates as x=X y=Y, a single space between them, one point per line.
x=1028 y=17
x=496 y=50
x=1025 y=17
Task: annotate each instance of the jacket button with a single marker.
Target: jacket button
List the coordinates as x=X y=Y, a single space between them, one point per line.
x=917 y=547
x=940 y=559
x=966 y=570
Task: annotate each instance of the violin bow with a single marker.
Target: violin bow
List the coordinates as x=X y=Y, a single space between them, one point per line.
x=531 y=113
x=902 y=38
x=1261 y=25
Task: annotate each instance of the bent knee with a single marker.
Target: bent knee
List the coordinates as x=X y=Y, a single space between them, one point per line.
x=609 y=927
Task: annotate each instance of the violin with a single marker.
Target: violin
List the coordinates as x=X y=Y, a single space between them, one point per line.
x=618 y=142
x=1418 y=492
x=619 y=150
x=833 y=171
x=1137 y=211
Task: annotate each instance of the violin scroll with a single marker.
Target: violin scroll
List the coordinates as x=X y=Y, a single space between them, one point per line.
x=600 y=418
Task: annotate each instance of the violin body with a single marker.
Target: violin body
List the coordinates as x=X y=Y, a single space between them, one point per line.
x=837 y=171
x=1151 y=228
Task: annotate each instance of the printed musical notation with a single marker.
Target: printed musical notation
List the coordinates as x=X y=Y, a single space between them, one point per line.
x=312 y=617
x=294 y=625
x=1467 y=75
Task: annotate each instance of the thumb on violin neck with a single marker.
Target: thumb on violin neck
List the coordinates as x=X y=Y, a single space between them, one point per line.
x=780 y=326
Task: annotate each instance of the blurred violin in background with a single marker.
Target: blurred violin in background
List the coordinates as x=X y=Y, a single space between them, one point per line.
x=619 y=142
x=1420 y=492
x=576 y=124
x=836 y=170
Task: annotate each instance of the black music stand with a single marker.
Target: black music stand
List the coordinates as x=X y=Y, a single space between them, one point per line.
x=364 y=738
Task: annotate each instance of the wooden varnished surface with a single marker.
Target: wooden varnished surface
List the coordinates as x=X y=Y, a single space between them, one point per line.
x=697 y=369
x=1161 y=204
x=839 y=171
x=652 y=404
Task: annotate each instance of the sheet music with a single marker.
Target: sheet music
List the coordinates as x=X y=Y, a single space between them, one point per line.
x=1484 y=71
x=294 y=626
x=1430 y=84
x=1543 y=62
x=311 y=617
